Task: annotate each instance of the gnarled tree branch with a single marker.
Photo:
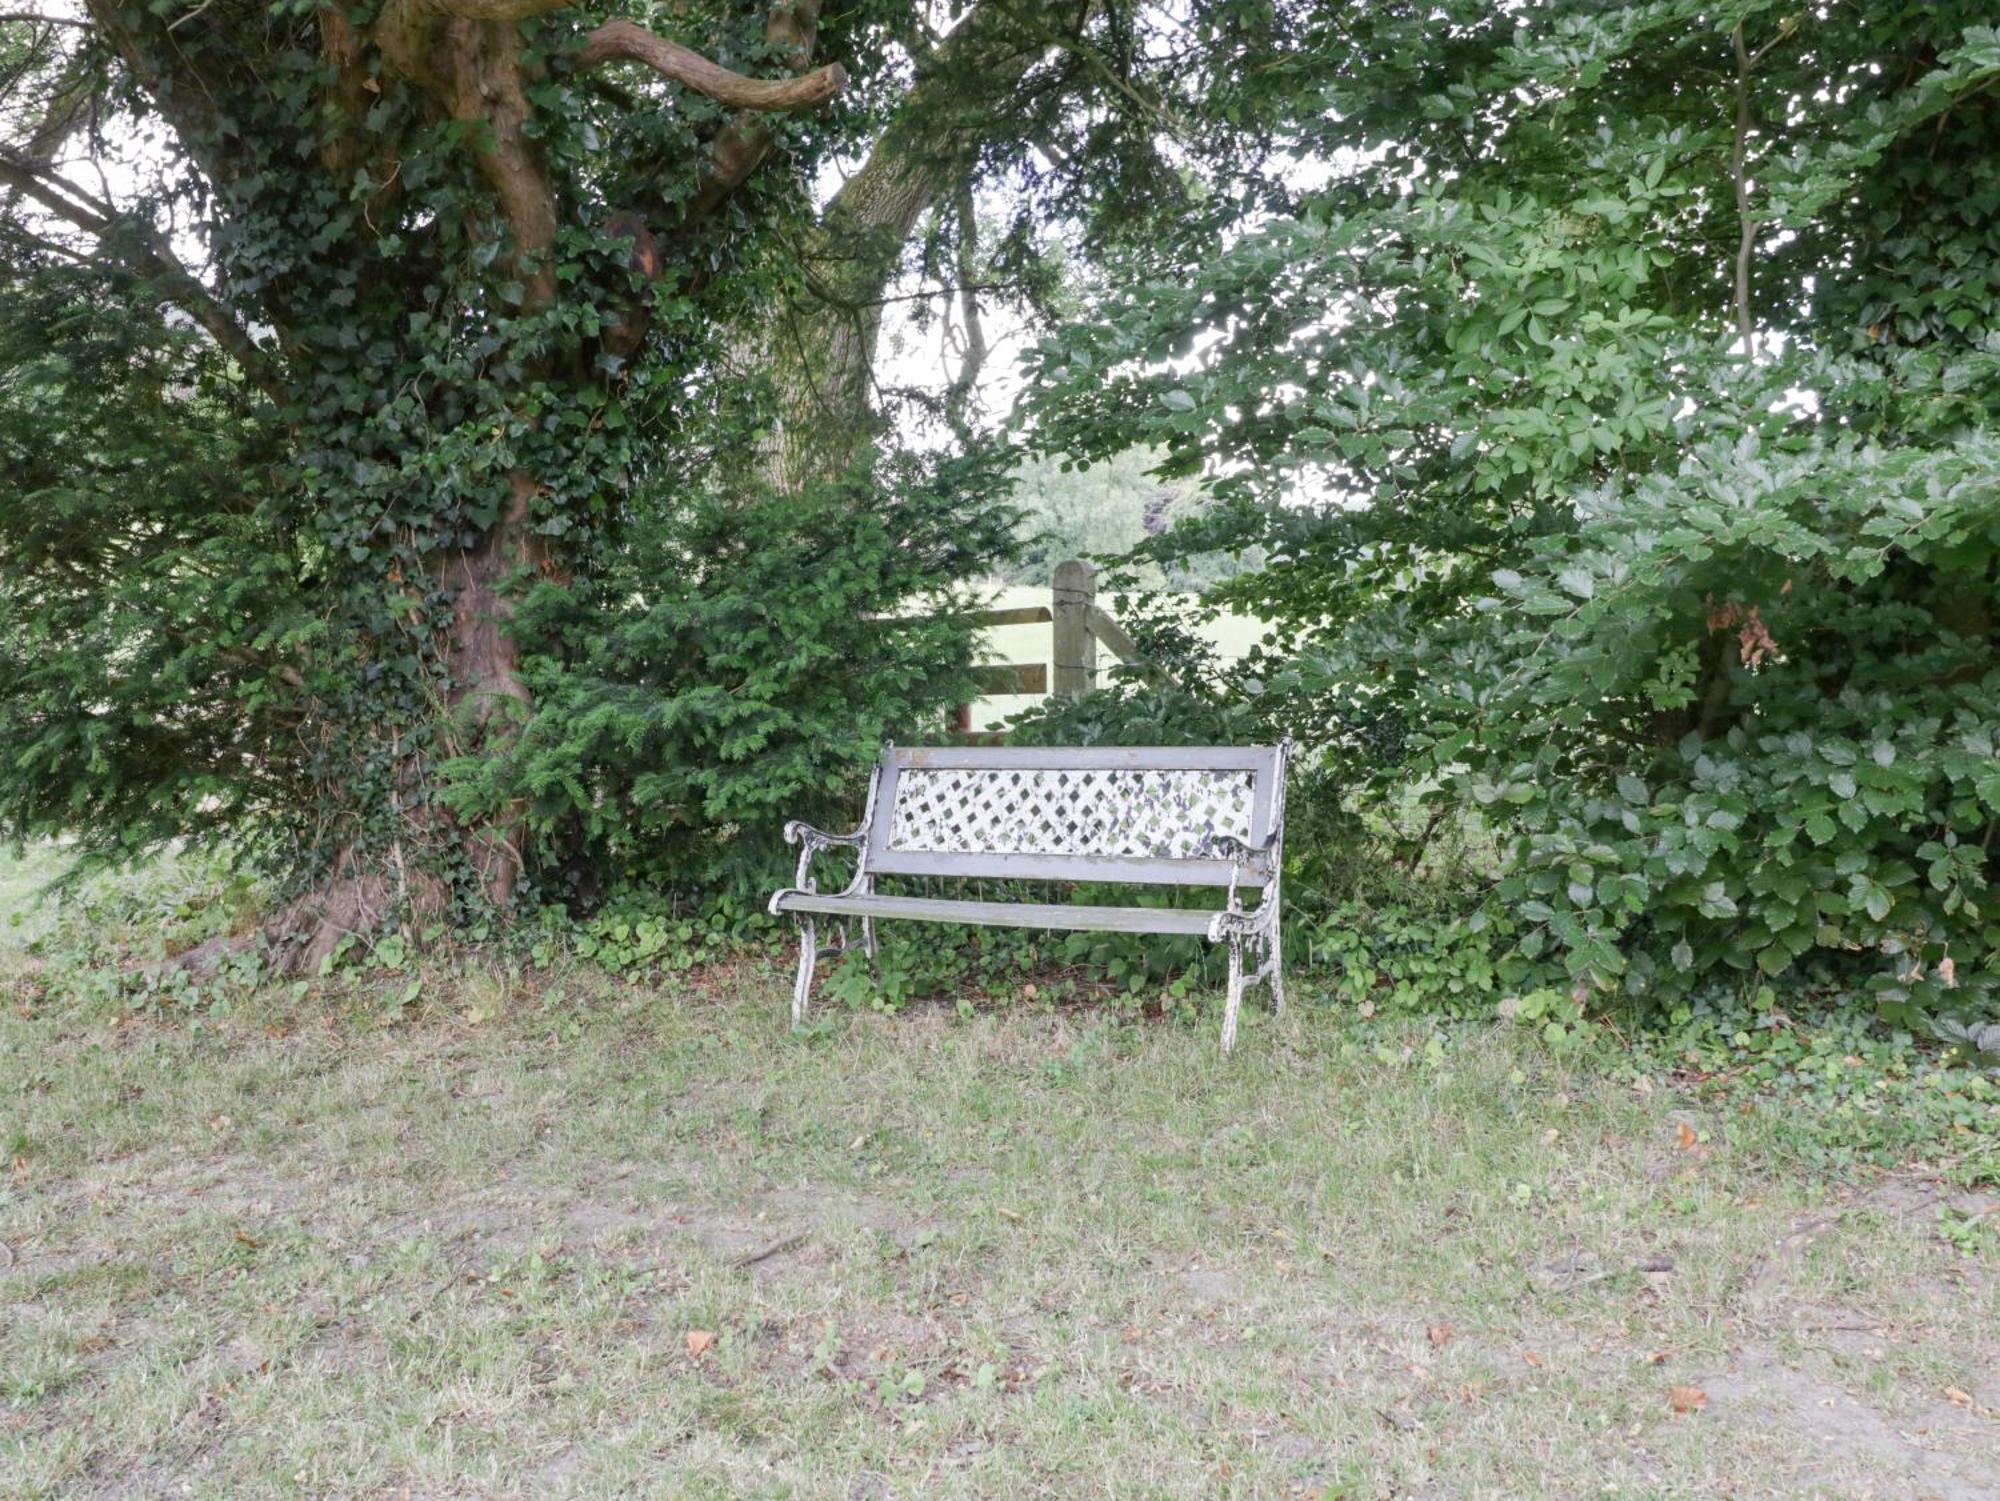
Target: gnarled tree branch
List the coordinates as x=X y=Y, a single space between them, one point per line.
x=620 y=40
x=745 y=141
x=490 y=10
x=153 y=259
x=734 y=153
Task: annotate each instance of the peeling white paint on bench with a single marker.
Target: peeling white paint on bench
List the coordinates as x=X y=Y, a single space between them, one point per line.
x=1149 y=815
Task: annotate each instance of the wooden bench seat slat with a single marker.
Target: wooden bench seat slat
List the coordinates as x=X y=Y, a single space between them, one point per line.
x=1004 y=914
x=1108 y=870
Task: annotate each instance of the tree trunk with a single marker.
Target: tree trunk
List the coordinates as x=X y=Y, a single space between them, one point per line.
x=487 y=699
x=819 y=353
x=467 y=63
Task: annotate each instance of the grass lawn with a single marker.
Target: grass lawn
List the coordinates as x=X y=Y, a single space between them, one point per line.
x=24 y=915
x=548 y=1237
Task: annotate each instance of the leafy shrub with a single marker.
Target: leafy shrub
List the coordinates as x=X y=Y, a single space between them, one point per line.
x=643 y=933
x=1676 y=571
x=1406 y=957
x=142 y=590
x=1823 y=1085
x=1725 y=732
x=144 y=911
x=740 y=663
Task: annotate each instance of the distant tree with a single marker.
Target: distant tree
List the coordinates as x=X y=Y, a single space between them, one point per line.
x=1077 y=511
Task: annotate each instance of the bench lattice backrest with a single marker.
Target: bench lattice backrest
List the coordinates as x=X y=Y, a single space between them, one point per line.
x=1147 y=814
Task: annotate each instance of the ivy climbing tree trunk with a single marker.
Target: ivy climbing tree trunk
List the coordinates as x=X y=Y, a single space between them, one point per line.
x=428 y=272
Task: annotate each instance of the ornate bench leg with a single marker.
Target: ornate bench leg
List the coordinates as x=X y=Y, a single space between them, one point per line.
x=1235 y=1001
x=1277 y=971
x=808 y=953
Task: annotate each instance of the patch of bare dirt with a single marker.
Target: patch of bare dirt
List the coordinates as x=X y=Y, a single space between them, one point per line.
x=1941 y=1450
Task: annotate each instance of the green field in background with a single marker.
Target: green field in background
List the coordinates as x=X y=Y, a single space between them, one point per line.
x=1021 y=644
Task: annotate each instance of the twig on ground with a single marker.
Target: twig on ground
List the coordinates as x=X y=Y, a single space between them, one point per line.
x=774 y=1248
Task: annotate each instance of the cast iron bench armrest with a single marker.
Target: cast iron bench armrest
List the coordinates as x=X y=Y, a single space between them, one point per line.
x=1242 y=851
x=1241 y=855
x=811 y=841
x=799 y=831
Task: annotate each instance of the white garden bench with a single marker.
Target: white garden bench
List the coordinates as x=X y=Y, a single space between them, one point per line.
x=1151 y=815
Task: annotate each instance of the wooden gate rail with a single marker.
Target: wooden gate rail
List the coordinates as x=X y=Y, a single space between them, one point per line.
x=1080 y=626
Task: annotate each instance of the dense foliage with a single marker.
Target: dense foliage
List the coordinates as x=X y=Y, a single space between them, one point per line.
x=456 y=319
x=1105 y=511
x=139 y=572
x=734 y=665
x=442 y=446
x=1621 y=413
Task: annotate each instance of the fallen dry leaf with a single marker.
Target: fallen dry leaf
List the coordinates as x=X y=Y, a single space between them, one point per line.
x=700 y=1342
x=1531 y=1357
x=1686 y=1398
x=1438 y=1334
x=1688 y=1140
x=1958 y=1395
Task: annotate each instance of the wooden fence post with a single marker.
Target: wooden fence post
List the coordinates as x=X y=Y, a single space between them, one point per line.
x=1075 y=656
